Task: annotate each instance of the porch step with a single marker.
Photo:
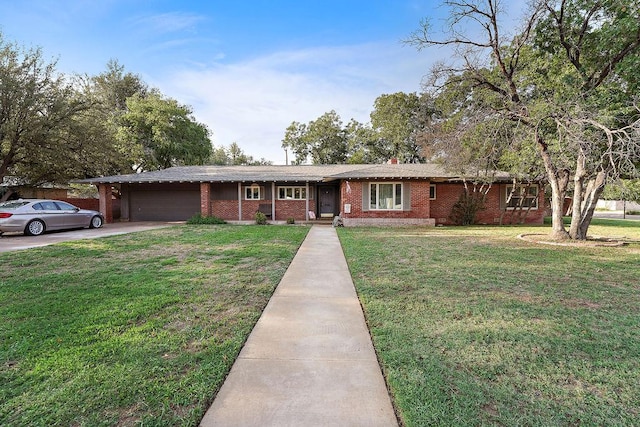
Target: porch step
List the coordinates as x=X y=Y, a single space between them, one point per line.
x=320 y=221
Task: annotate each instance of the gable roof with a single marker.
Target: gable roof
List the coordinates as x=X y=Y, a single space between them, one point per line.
x=281 y=173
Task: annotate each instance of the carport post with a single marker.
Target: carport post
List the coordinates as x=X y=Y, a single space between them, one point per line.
x=106 y=203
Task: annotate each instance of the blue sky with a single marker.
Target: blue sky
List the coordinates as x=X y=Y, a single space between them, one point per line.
x=247 y=68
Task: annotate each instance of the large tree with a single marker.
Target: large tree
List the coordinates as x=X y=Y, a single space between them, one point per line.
x=162 y=133
x=364 y=144
x=396 y=120
x=323 y=141
x=40 y=113
x=565 y=80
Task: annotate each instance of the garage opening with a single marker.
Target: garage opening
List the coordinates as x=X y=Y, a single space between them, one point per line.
x=163 y=202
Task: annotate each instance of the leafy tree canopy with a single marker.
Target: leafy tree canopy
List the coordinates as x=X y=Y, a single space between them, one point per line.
x=233 y=155
x=625 y=189
x=55 y=128
x=323 y=140
x=41 y=115
x=397 y=120
x=392 y=133
x=560 y=89
x=164 y=132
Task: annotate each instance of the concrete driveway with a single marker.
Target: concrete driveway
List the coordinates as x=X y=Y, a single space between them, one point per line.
x=17 y=241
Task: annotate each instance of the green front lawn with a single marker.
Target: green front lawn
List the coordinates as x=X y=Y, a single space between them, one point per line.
x=472 y=326
x=475 y=327
x=139 y=329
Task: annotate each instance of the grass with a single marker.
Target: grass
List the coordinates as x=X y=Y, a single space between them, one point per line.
x=475 y=327
x=139 y=329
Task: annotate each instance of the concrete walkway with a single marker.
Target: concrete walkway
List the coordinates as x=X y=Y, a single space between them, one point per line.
x=309 y=360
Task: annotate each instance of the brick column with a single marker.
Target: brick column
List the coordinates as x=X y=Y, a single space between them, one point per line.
x=106 y=203
x=205 y=199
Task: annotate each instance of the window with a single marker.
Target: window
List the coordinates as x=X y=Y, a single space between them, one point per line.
x=45 y=206
x=524 y=196
x=432 y=192
x=292 y=193
x=66 y=206
x=13 y=204
x=385 y=196
x=252 y=193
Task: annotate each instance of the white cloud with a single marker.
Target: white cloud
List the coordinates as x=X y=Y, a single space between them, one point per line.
x=253 y=102
x=168 y=22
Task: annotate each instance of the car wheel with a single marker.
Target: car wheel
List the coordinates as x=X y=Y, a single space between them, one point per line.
x=96 y=222
x=35 y=228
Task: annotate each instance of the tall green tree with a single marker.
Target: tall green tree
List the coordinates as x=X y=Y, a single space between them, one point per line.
x=163 y=132
x=364 y=144
x=115 y=85
x=107 y=93
x=321 y=141
x=396 y=119
x=566 y=81
x=39 y=114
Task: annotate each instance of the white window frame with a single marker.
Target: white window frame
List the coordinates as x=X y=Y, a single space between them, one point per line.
x=515 y=199
x=435 y=194
x=297 y=192
x=250 y=192
x=394 y=206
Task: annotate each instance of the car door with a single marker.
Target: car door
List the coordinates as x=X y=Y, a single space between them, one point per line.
x=50 y=214
x=72 y=219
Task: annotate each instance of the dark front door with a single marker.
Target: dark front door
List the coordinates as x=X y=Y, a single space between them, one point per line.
x=327 y=201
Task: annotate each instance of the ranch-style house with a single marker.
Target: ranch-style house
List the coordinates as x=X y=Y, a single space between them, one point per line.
x=364 y=194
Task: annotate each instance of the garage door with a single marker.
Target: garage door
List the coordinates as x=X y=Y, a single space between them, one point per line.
x=164 y=205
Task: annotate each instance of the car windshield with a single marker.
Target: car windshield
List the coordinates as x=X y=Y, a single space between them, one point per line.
x=13 y=204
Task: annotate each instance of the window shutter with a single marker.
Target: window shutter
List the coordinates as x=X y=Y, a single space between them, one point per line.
x=406 y=196
x=502 y=190
x=365 y=196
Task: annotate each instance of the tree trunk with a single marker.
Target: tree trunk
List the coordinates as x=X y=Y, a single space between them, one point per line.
x=559 y=180
x=578 y=197
x=588 y=203
x=557 y=204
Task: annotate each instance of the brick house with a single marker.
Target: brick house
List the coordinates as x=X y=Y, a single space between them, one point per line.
x=387 y=194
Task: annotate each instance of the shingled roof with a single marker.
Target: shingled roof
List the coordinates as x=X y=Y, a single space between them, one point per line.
x=281 y=173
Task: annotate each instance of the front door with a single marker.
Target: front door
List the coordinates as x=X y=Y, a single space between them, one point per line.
x=327 y=201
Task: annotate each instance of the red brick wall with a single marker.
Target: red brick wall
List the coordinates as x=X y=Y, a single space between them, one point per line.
x=285 y=209
x=228 y=209
x=423 y=210
x=420 y=203
x=94 y=204
x=225 y=209
x=250 y=207
x=448 y=194
x=352 y=194
x=205 y=199
x=295 y=209
x=438 y=210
